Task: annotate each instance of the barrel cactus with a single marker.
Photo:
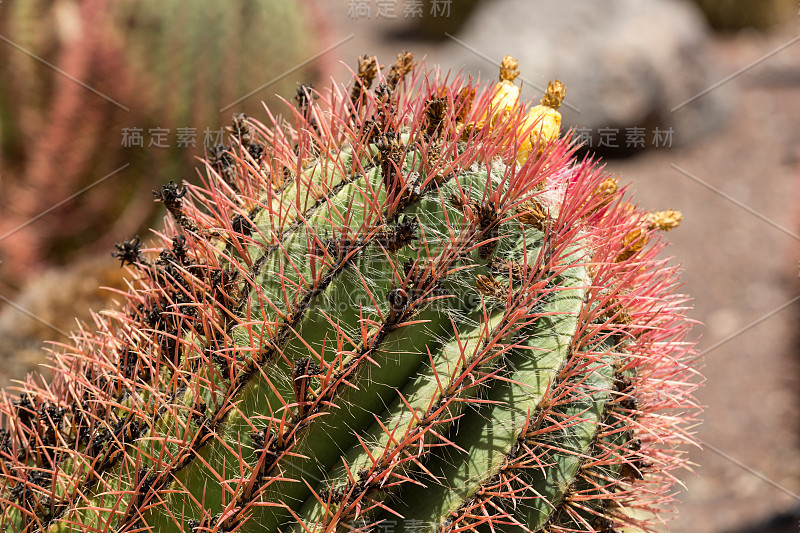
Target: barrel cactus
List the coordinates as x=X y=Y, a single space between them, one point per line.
x=407 y=306
x=138 y=86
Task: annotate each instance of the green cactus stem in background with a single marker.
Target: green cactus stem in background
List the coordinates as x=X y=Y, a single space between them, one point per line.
x=407 y=306
x=733 y=15
x=138 y=87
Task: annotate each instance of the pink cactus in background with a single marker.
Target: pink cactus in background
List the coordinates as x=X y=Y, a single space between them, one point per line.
x=406 y=307
x=80 y=74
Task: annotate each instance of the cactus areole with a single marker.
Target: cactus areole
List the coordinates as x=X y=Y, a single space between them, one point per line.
x=403 y=305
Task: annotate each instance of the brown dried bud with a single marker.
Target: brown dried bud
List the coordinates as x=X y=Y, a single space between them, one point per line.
x=555 y=94
x=532 y=213
x=404 y=65
x=664 y=220
x=508 y=69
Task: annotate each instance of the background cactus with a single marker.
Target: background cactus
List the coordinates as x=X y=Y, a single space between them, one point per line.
x=738 y=14
x=409 y=308
x=125 y=64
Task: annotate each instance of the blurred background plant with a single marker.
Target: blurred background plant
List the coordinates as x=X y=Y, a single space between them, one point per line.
x=742 y=14
x=131 y=91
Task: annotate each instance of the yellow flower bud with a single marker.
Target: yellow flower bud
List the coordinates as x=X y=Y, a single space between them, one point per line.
x=504 y=102
x=542 y=124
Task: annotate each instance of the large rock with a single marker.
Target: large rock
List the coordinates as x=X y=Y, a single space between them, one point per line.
x=626 y=63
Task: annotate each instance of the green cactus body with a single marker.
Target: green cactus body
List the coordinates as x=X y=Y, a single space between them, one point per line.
x=389 y=318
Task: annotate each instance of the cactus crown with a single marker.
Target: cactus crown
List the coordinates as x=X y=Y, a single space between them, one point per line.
x=407 y=306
